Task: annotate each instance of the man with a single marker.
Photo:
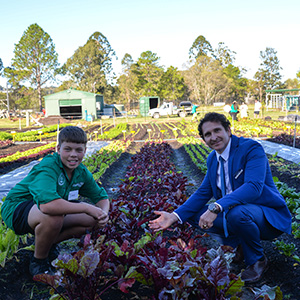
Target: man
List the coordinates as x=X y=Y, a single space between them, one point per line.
x=250 y=210
x=45 y=202
x=257 y=108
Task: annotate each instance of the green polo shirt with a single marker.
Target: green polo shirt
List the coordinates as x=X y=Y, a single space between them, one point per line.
x=48 y=181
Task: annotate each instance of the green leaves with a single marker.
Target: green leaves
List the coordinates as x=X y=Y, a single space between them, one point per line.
x=9 y=243
x=35 y=59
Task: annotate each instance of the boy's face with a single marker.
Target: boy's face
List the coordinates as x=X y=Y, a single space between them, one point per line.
x=215 y=136
x=71 y=155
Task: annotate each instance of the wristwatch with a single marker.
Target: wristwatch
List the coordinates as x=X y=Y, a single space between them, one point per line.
x=214 y=208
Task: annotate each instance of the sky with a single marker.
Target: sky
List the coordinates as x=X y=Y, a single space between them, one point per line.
x=165 y=27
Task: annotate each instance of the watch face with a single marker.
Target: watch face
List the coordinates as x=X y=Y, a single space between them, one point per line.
x=213 y=208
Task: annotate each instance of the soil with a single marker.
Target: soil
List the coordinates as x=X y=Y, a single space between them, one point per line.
x=17 y=284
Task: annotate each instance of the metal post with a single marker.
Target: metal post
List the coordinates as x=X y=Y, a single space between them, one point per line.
x=114 y=117
x=294 y=141
x=7 y=98
x=57 y=134
x=101 y=130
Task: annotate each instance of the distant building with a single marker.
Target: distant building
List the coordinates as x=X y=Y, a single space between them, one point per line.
x=74 y=104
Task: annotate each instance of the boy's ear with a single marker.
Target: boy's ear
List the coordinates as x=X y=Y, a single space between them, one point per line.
x=58 y=148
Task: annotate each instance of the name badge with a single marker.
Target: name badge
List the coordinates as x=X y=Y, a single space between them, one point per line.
x=73 y=195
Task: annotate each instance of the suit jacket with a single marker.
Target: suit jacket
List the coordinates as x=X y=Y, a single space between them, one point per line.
x=251 y=181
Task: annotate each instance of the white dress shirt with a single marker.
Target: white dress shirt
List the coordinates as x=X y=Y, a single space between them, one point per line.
x=225 y=156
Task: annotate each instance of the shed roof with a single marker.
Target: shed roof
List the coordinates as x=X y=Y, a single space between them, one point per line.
x=282 y=90
x=71 y=92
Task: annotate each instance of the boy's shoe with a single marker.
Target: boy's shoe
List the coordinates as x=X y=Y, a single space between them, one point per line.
x=40 y=266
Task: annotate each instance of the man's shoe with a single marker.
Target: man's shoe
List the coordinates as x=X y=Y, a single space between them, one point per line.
x=40 y=266
x=254 y=272
x=239 y=255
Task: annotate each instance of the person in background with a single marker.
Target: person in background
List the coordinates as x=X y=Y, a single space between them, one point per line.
x=248 y=206
x=45 y=203
x=234 y=110
x=257 y=108
x=244 y=110
x=194 y=111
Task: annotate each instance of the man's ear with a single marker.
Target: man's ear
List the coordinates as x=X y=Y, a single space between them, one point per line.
x=229 y=131
x=58 y=148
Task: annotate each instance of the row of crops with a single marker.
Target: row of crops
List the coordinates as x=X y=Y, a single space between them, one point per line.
x=248 y=128
x=126 y=252
x=174 y=266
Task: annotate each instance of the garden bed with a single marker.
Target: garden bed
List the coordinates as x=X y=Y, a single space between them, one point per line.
x=284 y=272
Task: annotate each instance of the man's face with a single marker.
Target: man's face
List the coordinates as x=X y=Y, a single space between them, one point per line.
x=215 y=136
x=71 y=155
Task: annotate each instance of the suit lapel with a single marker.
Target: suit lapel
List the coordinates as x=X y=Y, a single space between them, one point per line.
x=213 y=176
x=232 y=153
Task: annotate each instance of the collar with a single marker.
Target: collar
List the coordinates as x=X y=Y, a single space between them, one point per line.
x=225 y=153
x=60 y=164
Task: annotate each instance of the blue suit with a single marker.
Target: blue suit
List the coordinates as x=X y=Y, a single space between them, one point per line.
x=254 y=210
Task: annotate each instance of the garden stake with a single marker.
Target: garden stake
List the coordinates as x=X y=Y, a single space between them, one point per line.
x=40 y=132
x=96 y=135
x=149 y=130
x=294 y=141
x=13 y=134
x=124 y=132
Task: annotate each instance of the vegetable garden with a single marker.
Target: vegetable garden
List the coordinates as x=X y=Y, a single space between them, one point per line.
x=126 y=260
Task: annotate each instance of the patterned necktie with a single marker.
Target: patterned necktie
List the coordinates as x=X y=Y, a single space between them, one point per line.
x=223 y=189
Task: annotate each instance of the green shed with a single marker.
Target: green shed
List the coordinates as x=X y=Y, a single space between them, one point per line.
x=74 y=104
x=147 y=103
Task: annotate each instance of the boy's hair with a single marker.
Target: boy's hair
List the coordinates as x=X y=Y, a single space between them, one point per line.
x=213 y=117
x=72 y=134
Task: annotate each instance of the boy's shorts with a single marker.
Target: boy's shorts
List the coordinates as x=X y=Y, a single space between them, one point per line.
x=20 y=218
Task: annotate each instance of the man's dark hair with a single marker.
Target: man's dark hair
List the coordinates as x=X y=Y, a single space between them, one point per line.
x=213 y=117
x=72 y=134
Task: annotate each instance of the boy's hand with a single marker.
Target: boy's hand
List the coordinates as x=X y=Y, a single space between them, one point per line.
x=97 y=213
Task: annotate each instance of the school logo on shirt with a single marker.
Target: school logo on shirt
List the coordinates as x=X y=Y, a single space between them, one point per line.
x=79 y=184
x=61 y=179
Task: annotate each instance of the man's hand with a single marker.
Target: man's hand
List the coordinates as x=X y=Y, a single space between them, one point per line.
x=97 y=213
x=207 y=219
x=163 y=222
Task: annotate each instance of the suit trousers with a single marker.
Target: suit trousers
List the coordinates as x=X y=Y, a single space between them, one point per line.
x=246 y=226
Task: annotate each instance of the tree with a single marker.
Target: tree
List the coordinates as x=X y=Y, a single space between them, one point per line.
x=1 y=67
x=91 y=65
x=292 y=83
x=224 y=55
x=35 y=60
x=206 y=80
x=200 y=47
x=172 y=86
x=127 y=62
x=127 y=83
x=238 y=84
x=148 y=73
x=268 y=75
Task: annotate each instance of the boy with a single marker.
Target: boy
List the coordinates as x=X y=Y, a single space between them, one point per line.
x=45 y=202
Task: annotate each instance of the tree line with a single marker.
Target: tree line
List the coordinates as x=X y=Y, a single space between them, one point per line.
x=210 y=75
